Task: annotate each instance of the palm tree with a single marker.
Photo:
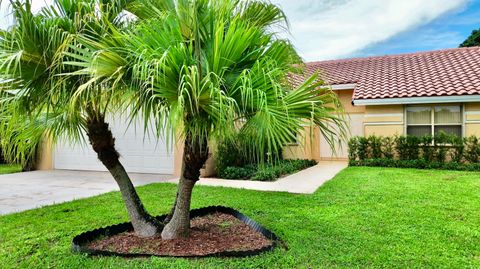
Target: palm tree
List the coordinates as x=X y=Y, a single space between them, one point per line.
x=39 y=100
x=207 y=69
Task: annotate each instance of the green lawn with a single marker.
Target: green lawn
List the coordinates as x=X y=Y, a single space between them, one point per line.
x=9 y=168
x=365 y=217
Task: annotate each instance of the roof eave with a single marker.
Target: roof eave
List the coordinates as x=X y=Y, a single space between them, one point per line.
x=339 y=87
x=417 y=100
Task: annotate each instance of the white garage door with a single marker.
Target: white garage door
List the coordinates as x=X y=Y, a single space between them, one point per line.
x=140 y=153
x=355 y=122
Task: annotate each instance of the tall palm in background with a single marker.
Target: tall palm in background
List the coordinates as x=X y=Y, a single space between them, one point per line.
x=207 y=69
x=39 y=100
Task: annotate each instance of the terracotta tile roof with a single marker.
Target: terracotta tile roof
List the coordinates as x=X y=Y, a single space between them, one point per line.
x=434 y=73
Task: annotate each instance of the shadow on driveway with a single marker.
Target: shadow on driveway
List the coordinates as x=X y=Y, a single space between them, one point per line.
x=23 y=191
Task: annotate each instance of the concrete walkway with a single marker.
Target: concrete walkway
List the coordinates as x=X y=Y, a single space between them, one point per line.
x=22 y=191
x=306 y=181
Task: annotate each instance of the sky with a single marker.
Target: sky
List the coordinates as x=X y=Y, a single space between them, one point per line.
x=333 y=29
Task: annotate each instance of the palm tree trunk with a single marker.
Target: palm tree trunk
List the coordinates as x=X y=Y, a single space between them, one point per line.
x=194 y=157
x=179 y=225
x=172 y=210
x=103 y=143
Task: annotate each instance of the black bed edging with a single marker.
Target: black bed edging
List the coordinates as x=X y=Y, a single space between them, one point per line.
x=79 y=243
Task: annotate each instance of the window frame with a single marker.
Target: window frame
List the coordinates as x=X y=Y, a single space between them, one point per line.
x=432 y=123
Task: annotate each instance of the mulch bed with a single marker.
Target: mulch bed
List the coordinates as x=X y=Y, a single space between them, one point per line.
x=210 y=234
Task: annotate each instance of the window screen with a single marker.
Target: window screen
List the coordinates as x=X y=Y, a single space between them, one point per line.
x=423 y=120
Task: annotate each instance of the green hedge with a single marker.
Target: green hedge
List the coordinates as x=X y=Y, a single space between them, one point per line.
x=267 y=172
x=234 y=158
x=428 y=152
x=419 y=164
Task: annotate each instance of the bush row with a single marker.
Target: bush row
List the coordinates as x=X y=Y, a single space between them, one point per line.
x=441 y=151
x=267 y=172
x=419 y=164
x=440 y=148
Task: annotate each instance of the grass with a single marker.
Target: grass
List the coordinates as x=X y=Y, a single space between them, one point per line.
x=9 y=168
x=365 y=217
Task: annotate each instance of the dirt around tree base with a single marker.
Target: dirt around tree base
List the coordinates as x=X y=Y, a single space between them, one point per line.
x=210 y=234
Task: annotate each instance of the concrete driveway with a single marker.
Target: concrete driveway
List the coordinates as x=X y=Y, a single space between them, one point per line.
x=22 y=191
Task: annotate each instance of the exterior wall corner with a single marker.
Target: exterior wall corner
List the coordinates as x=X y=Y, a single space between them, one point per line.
x=45 y=155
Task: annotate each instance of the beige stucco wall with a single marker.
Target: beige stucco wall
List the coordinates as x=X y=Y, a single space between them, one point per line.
x=45 y=158
x=472 y=107
x=472 y=119
x=384 y=130
x=309 y=146
x=472 y=129
x=377 y=120
x=177 y=158
x=345 y=97
x=384 y=120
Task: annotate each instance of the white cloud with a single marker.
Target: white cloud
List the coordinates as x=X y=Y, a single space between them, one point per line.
x=6 y=19
x=328 y=29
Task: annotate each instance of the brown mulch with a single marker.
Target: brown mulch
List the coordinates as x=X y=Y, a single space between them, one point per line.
x=209 y=234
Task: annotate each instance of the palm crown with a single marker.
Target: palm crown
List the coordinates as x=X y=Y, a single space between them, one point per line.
x=31 y=66
x=207 y=69
x=38 y=97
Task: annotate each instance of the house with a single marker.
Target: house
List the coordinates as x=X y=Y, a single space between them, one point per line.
x=417 y=93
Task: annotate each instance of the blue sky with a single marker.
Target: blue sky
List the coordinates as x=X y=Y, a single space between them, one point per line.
x=447 y=31
x=333 y=29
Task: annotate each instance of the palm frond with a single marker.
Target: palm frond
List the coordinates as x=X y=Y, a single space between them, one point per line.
x=209 y=68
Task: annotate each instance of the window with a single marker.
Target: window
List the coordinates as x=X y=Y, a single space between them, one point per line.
x=423 y=120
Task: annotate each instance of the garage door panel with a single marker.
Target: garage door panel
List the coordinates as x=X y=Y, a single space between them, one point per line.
x=139 y=152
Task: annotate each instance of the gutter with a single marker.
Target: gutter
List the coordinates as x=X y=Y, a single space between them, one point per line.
x=337 y=87
x=417 y=100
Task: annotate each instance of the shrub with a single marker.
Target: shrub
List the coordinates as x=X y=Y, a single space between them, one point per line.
x=388 y=147
x=27 y=158
x=232 y=172
x=401 y=147
x=418 y=164
x=441 y=151
x=228 y=155
x=412 y=147
x=472 y=154
x=427 y=149
x=236 y=153
x=363 y=148
x=272 y=172
x=375 y=144
x=266 y=172
x=458 y=149
x=440 y=146
x=353 y=148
